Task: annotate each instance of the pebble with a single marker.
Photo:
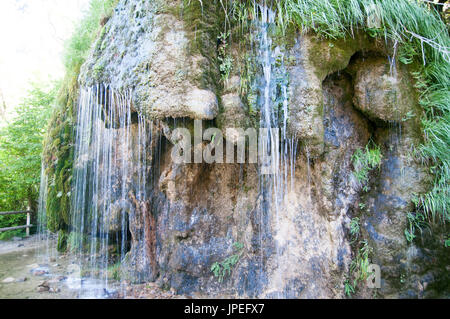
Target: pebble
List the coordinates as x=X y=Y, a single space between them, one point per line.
x=57 y=279
x=43 y=289
x=38 y=272
x=44 y=284
x=54 y=290
x=8 y=280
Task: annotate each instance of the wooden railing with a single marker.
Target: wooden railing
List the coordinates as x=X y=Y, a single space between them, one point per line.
x=27 y=226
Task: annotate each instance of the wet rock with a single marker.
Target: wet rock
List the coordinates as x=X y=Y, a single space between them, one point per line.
x=54 y=290
x=383 y=91
x=111 y=294
x=170 y=77
x=39 y=271
x=8 y=280
x=388 y=203
x=315 y=59
x=346 y=130
x=232 y=117
x=43 y=287
x=57 y=279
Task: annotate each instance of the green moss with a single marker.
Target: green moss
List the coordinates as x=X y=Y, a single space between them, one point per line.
x=98 y=70
x=58 y=158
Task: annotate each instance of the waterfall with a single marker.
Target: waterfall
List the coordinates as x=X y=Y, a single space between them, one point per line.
x=44 y=252
x=273 y=104
x=109 y=182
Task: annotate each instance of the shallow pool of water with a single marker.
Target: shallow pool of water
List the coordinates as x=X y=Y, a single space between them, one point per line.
x=21 y=274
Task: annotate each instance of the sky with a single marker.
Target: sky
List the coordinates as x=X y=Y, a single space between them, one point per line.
x=32 y=35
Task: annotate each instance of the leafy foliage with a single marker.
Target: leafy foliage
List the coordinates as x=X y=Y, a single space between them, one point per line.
x=447 y=241
x=77 y=47
x=224 y=268
x=416 y=222
x=354 y=227
x=349 y=287
x=20 y=155
x=225 y=60
x=364 y=161
x=359 y=268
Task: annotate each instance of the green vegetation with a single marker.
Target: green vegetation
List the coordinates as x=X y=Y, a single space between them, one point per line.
x=20 y=156
x=416 y=222
x=225 y=60
x=359 y=268
x=354 y=228
x=224 y=268
x=364 y=161
x=78 y=46
x=447 y=241
x=349 y=288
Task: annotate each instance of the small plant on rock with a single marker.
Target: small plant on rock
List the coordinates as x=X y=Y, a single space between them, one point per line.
x=354 y=228
x=224 y=268
x=348 y=288
x=225 y=60
x=416 y=221
x=364 y=161
x=359 y=268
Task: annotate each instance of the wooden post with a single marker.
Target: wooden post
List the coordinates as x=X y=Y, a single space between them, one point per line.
x=28 y=222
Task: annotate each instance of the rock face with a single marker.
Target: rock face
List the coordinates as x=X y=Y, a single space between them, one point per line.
x=148 y=47
x=314 y=61
x=382 y=91
x=200 y=216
